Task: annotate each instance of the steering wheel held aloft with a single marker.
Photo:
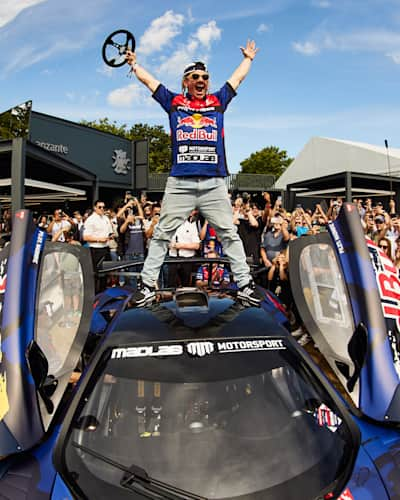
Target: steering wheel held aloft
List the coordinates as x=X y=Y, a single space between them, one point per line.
x=115 y=47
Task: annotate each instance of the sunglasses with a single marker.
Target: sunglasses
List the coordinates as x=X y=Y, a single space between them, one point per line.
x=196 y=76
x=383 y=246
x=101 y=206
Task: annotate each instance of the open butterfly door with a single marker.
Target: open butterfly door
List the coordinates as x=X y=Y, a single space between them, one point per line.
x=339 y=293
x=46 y=296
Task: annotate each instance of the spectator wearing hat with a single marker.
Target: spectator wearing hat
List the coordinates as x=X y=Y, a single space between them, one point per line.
x=380 y=228
x=274 y=240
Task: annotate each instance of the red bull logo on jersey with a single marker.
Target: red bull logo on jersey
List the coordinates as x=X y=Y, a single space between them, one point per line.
x=198 y=123
x=197 y=120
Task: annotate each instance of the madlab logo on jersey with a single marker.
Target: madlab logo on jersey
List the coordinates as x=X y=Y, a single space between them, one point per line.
x=197 y=122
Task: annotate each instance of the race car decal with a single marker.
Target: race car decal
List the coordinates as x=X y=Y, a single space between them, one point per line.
x=198 y=349
x=325 y=417
x=389 y=289
x=4 y=403
x=346 y=495
x=3 y=284
x=250 y=345
x=147 y=350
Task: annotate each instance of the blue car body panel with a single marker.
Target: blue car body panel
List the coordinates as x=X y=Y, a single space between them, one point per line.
x=378 y=380
x=30 y=472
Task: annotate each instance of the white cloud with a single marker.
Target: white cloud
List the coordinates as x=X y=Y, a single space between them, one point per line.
x=133 y=93
x=161 y=31
x=9 y=9
x=394 y=56
x=51 y=28
x=174 y=64
x=372 y=40
x=321 y=4
x=197 y=47
x=29 y=55
x=306 y=48
x=208 y=33
x=263 y=28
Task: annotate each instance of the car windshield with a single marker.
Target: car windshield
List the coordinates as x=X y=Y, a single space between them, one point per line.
x=232 y=418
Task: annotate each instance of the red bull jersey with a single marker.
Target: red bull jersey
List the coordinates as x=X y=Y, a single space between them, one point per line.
x=197 y=131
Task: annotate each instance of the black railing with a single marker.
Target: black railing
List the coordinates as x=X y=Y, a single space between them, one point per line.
x=234 y=182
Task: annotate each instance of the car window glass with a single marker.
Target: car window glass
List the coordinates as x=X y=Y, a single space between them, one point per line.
x=326 y=296
x=218 y=426
x=59 y=308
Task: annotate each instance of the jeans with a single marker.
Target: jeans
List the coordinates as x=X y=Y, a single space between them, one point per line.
x=210 y=196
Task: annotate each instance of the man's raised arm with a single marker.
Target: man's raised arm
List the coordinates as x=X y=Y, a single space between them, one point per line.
x=142 y=75
x=249 y=52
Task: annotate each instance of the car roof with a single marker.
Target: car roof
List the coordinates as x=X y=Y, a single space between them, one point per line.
x=165 y=321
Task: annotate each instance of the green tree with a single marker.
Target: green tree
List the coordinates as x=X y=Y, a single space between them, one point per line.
x=159 y=140
x=15 y=121
x=105 y=125
x=270 y=160
x=159 y=145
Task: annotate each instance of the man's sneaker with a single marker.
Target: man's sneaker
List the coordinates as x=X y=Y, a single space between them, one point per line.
x=144 y=296
x=249 y=296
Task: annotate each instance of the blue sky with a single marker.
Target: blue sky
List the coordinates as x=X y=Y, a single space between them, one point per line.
x=325 y=67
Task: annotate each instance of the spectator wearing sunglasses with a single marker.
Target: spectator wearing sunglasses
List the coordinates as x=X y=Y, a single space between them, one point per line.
x=198 y=168
x=98 y=231
x=380 y=228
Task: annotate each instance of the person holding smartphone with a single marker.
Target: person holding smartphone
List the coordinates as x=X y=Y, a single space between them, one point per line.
x=59 y=225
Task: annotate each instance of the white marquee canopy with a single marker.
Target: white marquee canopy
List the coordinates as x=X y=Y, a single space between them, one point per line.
x=323 y=156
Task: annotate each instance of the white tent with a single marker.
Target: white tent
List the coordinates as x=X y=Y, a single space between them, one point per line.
x=323 y=156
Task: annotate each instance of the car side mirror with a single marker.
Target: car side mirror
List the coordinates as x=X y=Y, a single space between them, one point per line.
x=357 y=348
x=39 y=366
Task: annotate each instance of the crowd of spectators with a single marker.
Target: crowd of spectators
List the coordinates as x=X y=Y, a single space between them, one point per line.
x=265 y=228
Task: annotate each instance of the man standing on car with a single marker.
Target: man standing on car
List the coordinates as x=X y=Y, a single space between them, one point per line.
x=198 y=168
